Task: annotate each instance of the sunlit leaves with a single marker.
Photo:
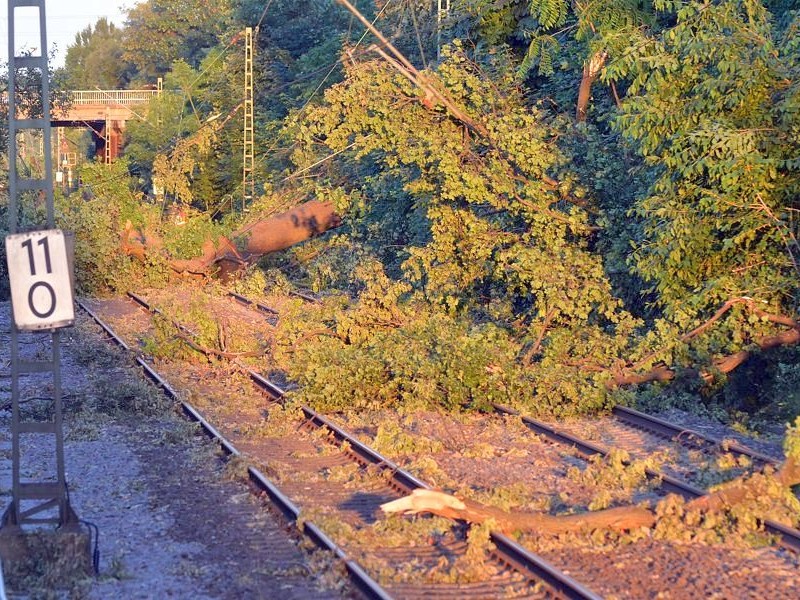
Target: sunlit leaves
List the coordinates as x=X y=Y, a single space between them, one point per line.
x=708 y=109
x=505 y=245
x=159 y=32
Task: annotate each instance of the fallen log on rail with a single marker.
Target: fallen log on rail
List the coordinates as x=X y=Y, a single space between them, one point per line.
x=245 y=245
x=622 y=518
x=445 y=505
x=757 y=486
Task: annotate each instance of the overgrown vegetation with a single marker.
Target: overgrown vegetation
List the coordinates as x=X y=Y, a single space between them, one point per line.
x=563 y=207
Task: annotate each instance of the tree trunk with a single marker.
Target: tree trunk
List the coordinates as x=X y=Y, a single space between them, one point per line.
x=725 y=364
x=262 y=237
x=287 y=229
x=445 y=505
x=591 y=69
x=619 y=519
x=739 y=490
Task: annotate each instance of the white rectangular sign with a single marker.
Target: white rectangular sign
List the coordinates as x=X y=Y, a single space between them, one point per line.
x=41 y=289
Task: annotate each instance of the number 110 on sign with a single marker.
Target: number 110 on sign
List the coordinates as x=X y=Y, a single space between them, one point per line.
x=38 y=270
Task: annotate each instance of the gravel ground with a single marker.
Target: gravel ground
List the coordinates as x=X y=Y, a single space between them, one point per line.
x=173 y=520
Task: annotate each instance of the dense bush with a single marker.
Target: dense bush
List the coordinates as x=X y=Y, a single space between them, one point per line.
x=98 y=216
x=498 y=244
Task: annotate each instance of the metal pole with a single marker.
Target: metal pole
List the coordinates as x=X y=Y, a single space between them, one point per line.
x=13 y=208
x=248 y=150
x=49 y=492
x=48 y=140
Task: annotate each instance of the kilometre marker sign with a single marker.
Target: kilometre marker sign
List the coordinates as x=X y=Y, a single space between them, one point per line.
x=41 y=289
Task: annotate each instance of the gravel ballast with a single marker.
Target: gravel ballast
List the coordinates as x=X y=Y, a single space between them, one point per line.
x=175 y=519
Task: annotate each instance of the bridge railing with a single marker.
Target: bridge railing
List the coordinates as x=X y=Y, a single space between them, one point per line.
x=119 y=97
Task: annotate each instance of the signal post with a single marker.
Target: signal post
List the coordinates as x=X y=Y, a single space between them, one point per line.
x=39 y=527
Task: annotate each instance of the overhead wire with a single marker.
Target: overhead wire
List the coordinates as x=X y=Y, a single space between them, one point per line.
x=187 y=94
x=419 y=38
x=233 y=40
x=264 y=14
x=264 y=155
x=331 y=68
x=353 y=52
x=358 y=43
x=319 y=162
x=222 y=53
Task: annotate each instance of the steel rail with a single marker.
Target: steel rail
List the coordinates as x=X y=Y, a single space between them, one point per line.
x=368 y=586
x=587 y=449
x=247 y=302
x=522 y=559
x=669 y=430
x=304 y=296
x=789 y=537
x=519 y=557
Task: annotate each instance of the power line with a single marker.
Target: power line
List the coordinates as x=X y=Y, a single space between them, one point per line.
x=333 y=66
x=354 y=52
x=361 y=39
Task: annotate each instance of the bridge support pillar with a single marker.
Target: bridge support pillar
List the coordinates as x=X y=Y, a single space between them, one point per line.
x=108 y=141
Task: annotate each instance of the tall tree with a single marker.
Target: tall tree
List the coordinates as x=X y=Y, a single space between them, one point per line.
x=566 y=36
x=713 y=107
x=95 y=58
x=159 y=32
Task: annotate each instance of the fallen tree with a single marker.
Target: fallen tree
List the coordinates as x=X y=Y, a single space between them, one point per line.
x=451 y=507
x=629 y=375
x=753 y=489
x=245 y=245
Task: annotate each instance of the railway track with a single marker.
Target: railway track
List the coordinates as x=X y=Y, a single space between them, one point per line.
x=689 y=438
x=563 y=558
x=696 y=447
x=624 y=420
x=684 y=476
x=514 y=570
x=362 y=581
x=788 y=536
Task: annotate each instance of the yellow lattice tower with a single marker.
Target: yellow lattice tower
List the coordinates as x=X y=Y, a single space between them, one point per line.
x=248 y=155
x=441 y=15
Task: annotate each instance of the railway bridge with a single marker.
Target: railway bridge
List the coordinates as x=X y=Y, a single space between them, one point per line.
x=105 y=113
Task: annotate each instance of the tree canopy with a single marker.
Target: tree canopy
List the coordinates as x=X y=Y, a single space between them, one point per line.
x=563 y=201
x=95 y=58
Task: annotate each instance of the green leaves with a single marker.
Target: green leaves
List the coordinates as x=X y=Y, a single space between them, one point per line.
x=549 y=13
x=95 y=58
x=505 y=265
x=707 y=119
x=159 y=32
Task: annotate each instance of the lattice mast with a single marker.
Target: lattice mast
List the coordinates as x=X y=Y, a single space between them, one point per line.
x=248 y=153
x=441 y=14
x=42 y=500
x=107 y=138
